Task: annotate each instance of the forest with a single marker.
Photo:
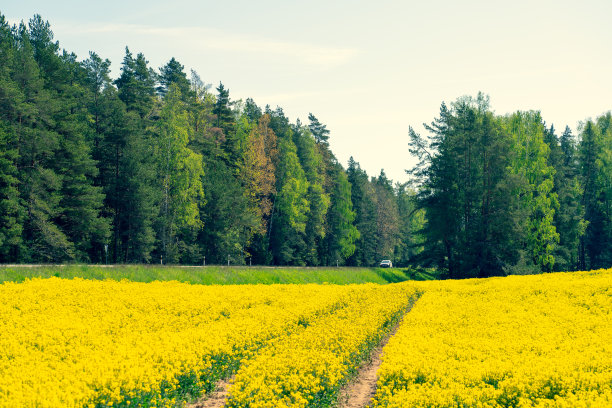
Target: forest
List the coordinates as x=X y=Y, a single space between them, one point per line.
x=158 y=166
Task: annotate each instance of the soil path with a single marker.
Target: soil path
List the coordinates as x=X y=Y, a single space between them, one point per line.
x=359 y=392
x=217 y=398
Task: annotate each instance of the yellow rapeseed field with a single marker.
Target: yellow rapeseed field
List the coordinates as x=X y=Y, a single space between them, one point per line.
x=536 y=341
x=68 y=343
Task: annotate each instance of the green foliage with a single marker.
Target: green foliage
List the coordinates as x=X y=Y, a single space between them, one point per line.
x=181 y=175
x=11 y=212
x=569 y=216
x=342 y=234
x=229 y=222
x=364 y=201
x=387 y=217
x=411 y=221
x=537 y=197
x=469 y=197
x=126 y=161
x=292 y=206
x=312 y=162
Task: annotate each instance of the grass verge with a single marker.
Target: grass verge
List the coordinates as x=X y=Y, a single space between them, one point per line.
x=213 y=275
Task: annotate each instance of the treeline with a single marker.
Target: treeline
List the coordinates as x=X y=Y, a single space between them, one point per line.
x=155 y=166
x=507 y=194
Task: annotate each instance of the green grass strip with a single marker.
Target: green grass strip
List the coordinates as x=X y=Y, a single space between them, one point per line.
x=213 y=275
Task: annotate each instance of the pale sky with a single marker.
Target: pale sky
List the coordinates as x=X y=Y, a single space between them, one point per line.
x=368 y=70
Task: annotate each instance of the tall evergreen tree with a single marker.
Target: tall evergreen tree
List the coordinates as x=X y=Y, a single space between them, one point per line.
x=39 y=185
x=229 y=223
x=363 y=197
x=11 y=213
x=172 y=73
x=223 y=111
x=136 y=84
x=319 y=130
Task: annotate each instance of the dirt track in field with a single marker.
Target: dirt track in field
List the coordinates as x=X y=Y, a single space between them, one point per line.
x=216 y=399
x=359 y=392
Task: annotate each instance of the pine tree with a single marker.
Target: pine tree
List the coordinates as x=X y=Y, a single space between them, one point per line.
x=97 y=79
x=319 y=130
x=136 y=84
x=31 y=117
x=252 y=111
x=80 y=201
x=172 y=73
x=11 y=211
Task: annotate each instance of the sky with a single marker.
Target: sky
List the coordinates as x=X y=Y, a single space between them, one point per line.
x=367 y=70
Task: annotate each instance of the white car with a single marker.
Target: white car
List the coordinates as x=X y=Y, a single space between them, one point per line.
x=386 y=264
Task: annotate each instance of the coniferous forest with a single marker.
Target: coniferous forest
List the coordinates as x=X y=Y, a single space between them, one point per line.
x=157 y=165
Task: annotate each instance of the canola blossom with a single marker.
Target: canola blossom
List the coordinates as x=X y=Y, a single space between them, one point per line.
x=536 y=341
x=74 y=343
x=308 y=367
